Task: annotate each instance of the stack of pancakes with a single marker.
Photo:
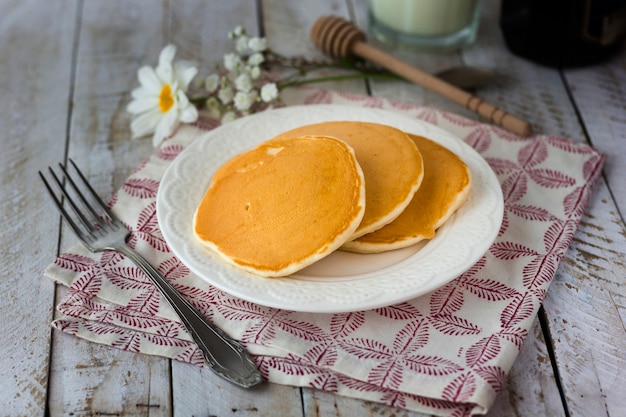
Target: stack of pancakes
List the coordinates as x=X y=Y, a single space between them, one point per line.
x=356 y=186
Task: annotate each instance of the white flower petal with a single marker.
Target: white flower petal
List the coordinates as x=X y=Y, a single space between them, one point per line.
x=149 y=79
x=188 y=114
x=181 y=98
x=141 y=92
x=165 y=128
x=167 y=55
x=145 y=123
x=141 y=105
x=184 y=72
x=164 y=70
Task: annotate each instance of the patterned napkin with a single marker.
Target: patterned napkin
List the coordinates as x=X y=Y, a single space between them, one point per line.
x=445 y=353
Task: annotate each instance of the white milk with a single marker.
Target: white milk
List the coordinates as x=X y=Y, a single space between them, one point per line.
x=424 y=17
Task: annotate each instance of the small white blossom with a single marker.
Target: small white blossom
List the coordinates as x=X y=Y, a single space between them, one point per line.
x=228 y=117
x=212 y=82
x=244 y=100
x=257 y=44
x=256 y=58
x=237 y=32
x=214 y=108
x=226 y=95
x=243 y=82
x=232 y=61
x=241 y=44
x=160 y=103
x=269 y=92
x=254 y=72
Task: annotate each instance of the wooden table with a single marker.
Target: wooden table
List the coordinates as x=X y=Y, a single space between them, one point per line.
x=67 y=68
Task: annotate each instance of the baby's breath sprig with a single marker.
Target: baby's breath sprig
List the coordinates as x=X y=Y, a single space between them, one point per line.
x=240 y=85
x=243 y=83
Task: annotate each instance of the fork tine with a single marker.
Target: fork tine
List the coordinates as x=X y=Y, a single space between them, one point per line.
x=85 y=202
x=95 y=195
x=77 y=211
x=77 y=230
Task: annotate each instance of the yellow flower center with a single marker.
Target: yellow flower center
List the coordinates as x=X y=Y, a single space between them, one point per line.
x=166 y=99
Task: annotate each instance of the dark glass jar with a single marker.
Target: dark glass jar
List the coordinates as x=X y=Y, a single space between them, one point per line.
x=564 y=33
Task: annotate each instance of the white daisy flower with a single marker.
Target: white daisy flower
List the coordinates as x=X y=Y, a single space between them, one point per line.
x=160 y=103
x=269 y=92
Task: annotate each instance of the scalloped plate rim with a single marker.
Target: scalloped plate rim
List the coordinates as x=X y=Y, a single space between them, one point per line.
x=313 y=293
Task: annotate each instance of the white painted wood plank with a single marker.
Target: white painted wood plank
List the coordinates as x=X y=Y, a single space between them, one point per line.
x=287 y=27
x=200 y=31
x=115 y=38
x=585 y=302
x=199 y=392
x=600 y=96
x=587 y=310
x=92 y=379
x=527 y=90
x=533 y=91
x=530 y=388
x=35 y=57
x=531 y=385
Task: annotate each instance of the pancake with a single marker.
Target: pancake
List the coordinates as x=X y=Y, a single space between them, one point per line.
x=446 y=184
x=392 y=166
x=282 y=206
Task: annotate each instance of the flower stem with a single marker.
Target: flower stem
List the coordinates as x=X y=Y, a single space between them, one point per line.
x=345 y=77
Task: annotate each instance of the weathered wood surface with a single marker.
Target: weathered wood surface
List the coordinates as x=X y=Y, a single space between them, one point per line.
x=66 y=71
x=36 y=50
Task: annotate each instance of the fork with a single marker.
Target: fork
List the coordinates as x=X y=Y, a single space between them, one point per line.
x=100 y=230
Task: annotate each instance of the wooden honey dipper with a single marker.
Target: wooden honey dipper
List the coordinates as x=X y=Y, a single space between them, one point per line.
x=339 y=38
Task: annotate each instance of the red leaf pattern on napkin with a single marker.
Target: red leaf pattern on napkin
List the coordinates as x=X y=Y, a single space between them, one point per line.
x=445 y=353
x=141 y=187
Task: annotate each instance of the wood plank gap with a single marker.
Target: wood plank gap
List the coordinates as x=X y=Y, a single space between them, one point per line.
x=588 y=139
x=351 y=6
x=68 y=124
x=547 y=336
x=172 y=385
x=303 y=408
x=354 y=18
x=260 y=18
x=70 y=98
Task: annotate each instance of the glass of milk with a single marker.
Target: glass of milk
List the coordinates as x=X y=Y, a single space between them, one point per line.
x=429 y=25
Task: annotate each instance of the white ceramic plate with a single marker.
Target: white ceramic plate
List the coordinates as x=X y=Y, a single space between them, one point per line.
x=342 y=281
